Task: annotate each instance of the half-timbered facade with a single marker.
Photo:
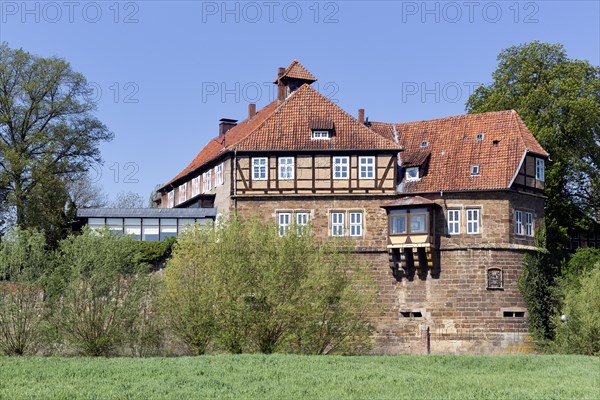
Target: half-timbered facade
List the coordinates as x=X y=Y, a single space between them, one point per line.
x=445 y=209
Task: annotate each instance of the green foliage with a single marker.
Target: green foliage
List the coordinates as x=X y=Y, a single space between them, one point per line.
x=153 y=253
x=580 y=302
x=96 y=291
x=536 y=285
x=559 y=100
x=47 y=131
x=244 y=288
x=431 y=377
x=23 y=259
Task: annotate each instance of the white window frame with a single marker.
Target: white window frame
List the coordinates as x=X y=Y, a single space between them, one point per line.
x=341 y=167
x=182 y=193
x=302 y=220
x=320 y=134
x=285 y=168
x=475 y=171
x=171 y=197
x=284 y=220
x=411 y=178
x=453 y=221
x=529 y=224
x=518 y=222
x=207 y=178
x=355 y=219
x=196 y=186
x=260 y=170
x=473 y=220
x=540 y=166
x=219 y=173
x=337 y=219
x=368 y=164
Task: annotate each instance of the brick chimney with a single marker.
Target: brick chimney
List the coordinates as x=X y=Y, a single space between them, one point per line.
x=280 y=85
x=251 y=110
x=361 y=115
x=226 y=124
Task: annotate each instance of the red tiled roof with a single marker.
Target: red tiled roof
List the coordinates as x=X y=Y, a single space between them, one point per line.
x=409 y=201
x=289 y=128
x=218 y=145
x=454 y=149
x=297 y=71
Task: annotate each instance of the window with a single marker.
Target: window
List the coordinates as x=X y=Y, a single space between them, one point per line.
x=475 y=169
x=219 y=172
x=472 y=220
x=367 y=167
x=284 y=221
x=115 y=225
x=259 y=169
x=424 y=144
x=133 y=227
x=207 y=178
x=340 y=167
x=320 y=135
x=356 y=223
x=150 y=229
x=398 y=222
x=453 y=222
x=411 y=314
x=337 y=224
x=286 y=168
x=171 y=197
x=168 y=228
x=196 y=186
x=302 y=219
x=513 y=314
x=479 y=137
x=412 y=173
x=528 y=224
x=539 y=169
x=402 y=222
x=518 y=222
x=182 y=193
x=494 y=278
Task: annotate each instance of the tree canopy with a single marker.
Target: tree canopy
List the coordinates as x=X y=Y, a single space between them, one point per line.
x=47 y=132
x=559 y=100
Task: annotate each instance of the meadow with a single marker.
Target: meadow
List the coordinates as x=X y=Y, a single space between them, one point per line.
x=302 y=377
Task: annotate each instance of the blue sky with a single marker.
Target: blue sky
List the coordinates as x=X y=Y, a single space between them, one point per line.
x=165 y=72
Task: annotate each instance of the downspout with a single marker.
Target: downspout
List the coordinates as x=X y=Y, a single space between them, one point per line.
x=235 y=180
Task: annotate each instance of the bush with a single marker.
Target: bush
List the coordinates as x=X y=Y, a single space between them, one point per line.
x=96 y=290
x=23 y=259
x=244 y=288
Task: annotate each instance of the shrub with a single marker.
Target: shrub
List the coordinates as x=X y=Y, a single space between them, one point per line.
x=244 y=288
x=96 y=290
x=23 y=258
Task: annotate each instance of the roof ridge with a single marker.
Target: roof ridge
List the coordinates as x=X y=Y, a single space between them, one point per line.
x=451 y=117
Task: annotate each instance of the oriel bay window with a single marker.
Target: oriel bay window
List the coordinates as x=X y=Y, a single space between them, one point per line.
x=409 y=221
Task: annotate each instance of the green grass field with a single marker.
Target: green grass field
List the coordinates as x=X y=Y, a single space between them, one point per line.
x=297 y=377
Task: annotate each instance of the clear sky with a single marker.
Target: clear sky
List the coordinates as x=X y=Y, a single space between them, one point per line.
x=165 y=72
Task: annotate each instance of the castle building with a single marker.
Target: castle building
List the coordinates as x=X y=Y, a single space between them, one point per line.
x=444 y=209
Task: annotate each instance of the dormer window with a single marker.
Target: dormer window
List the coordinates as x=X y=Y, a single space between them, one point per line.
x=475 y=169
x=479 y=137
x=539 y=169
x=321 y=134
x=412 y=173
x=424 y=144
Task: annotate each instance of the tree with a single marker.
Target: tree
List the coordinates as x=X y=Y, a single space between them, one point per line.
x=47 y=128
x=83 y=193
x=23 y=260
x=559 y=100
x=128 y=200
x=244 y=288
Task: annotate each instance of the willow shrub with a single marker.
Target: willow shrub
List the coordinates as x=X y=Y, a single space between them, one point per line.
x=242 y=287
x=23 y=260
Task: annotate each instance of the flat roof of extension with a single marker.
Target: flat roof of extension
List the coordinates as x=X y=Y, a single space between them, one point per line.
x=147 y=213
